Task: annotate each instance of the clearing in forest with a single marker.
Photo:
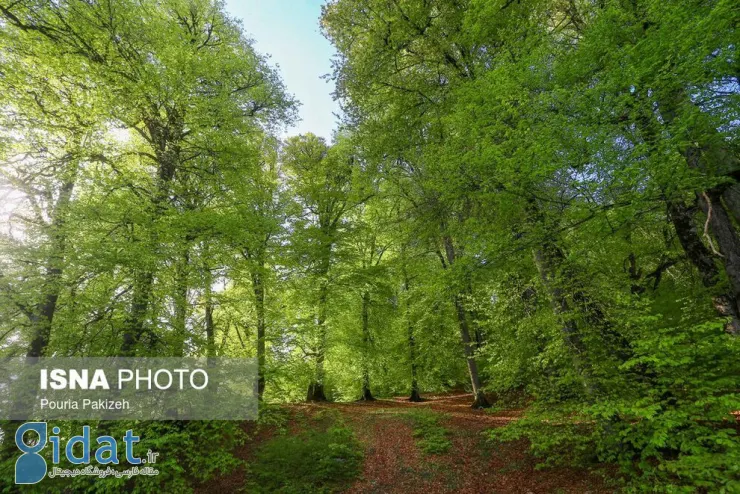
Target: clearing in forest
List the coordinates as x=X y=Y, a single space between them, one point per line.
x=435 y=446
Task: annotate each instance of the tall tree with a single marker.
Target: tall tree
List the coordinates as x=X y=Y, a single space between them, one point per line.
x=321 y=180
x=176 y=75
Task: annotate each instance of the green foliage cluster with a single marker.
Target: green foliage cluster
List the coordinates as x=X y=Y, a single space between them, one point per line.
x=431 y=436
x=190 y=454
x=315 y=460
x=273 y=417
x=662 y=415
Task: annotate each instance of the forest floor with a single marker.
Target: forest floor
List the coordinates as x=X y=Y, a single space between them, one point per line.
x=394 y=462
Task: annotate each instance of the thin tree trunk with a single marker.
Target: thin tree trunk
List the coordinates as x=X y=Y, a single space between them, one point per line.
x=42 y=317
x=366 y=341
x=475 y=323
x=316 y=388
x=210 y=328
x=181 y=304
x=136 y=319
x=549 y=259
x=480 y=400
x=415 y=396
x=259 y=299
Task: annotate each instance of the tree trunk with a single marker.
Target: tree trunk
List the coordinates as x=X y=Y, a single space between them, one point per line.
x=134 y=325
x=42 y=317
x=731 y=198
x=316 y=388
x=682 y=217
x=366 y=342
x=181 y=304
x=165 y=136
x=707 y=152
x=726 y=236
x=415 y=396
x=479 y=400
x=549 y=259
x=210 y=328
x=729 y=248
x=699 y=255
x=259 y=299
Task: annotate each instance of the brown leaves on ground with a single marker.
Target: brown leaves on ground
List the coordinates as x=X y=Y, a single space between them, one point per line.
x=394 y=464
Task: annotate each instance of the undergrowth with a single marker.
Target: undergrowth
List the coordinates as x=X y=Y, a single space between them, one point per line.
x=324 y=458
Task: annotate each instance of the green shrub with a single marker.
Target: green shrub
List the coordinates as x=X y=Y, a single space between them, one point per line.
x=189 y=453
x=432 y=438
x=664 y=418
x=313 y=461
x=273 y=416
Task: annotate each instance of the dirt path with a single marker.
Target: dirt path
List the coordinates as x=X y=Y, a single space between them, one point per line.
x=389 y=455
x=393 y=463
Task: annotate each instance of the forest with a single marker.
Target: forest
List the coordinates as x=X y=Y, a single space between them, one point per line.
x=533 y=204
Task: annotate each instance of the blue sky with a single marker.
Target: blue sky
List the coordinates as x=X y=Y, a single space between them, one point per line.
x=288 y=30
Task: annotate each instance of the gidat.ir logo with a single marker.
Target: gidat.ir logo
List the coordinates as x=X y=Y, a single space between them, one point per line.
x=30 y=467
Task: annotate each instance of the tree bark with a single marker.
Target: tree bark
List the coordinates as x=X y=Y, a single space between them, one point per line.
x=316 y=388
x=682 y=217
x=366 y=342
x=729 y=248
x=210 y=328
x=731 y=197
x=479 y=400
x=415 y=396
x=42 y=316
x=549 y=259
x=181 y=303
x=699 y=255
x=165 y=136
x=259 y=299
x=474 y=320
x=136 y=318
